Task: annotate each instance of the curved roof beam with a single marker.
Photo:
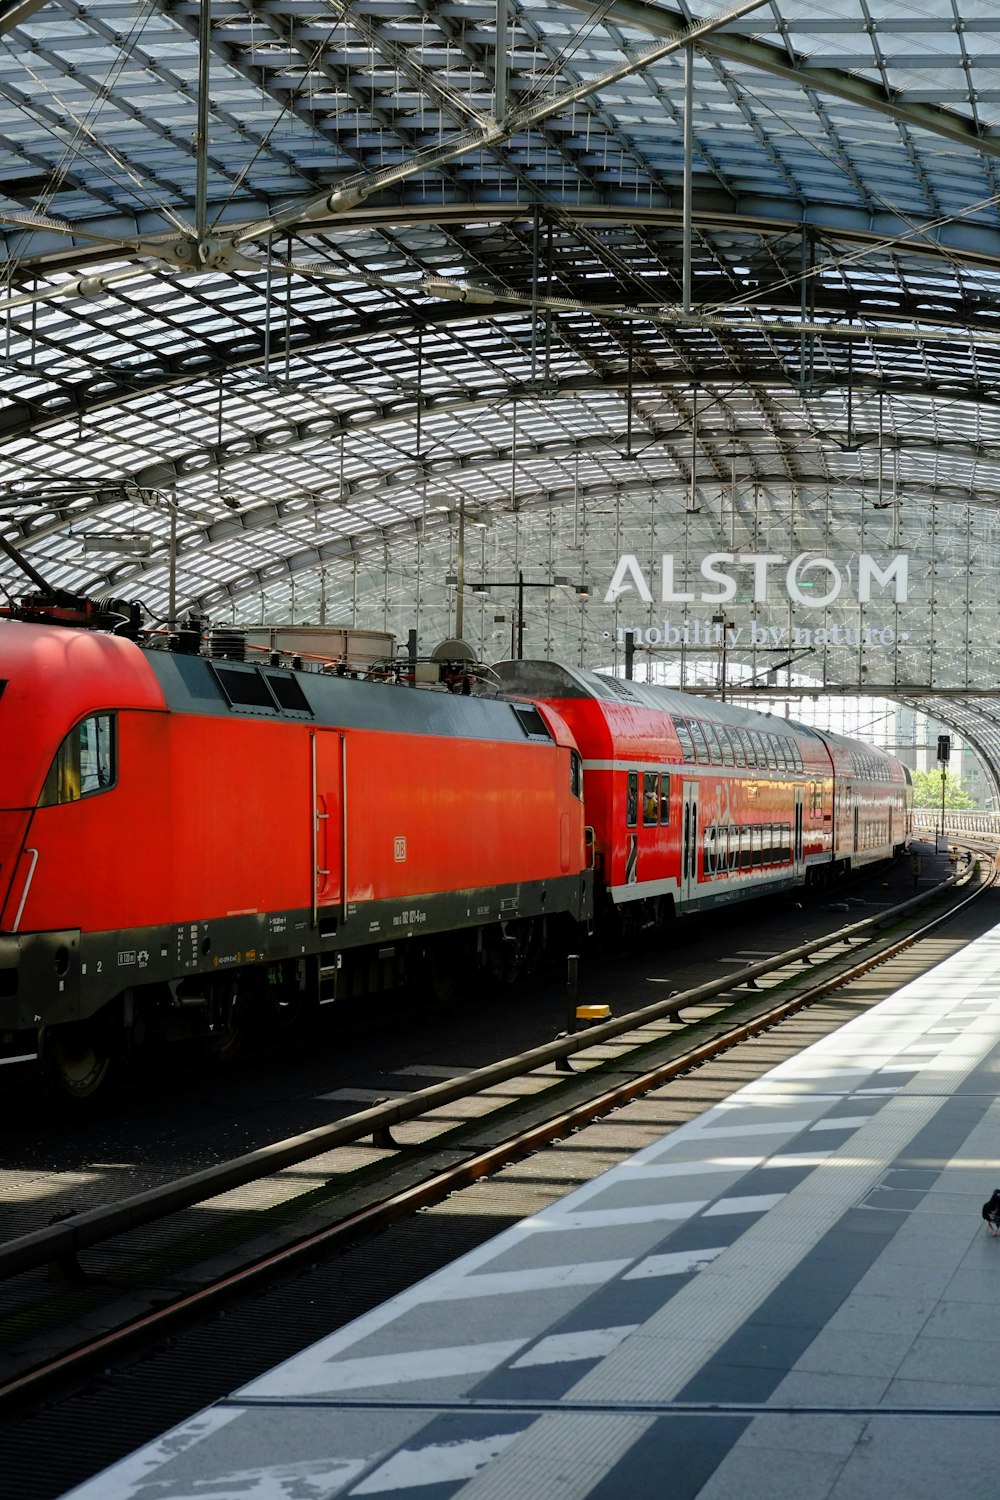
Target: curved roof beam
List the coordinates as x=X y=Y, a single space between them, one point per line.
x=675 y=442
x=797 y=439
x=15 y=12
x=894 y=326
x=713 y=209
x=20 y=418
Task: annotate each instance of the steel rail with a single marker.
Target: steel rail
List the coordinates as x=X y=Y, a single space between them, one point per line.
x=421 y=1195
x=65 y=1240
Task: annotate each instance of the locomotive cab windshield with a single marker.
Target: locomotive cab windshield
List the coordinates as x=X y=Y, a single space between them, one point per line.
x=84 y=764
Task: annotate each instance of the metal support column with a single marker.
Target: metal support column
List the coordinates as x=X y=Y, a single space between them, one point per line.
x=172 y=579
x=460 y=572
x=688 y=157
x=500 y=64
x=201 y=145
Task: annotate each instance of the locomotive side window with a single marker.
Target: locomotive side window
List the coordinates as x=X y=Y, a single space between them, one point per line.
x=84 y=764
x=632 y=800
x=650 y=799
x=575 y=774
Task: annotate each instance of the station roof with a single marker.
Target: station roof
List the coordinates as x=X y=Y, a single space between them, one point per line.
x=352 y=298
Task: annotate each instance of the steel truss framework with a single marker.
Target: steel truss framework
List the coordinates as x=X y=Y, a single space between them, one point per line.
x=311 y=305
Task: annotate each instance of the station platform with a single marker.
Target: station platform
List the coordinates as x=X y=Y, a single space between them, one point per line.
x=792 y=1296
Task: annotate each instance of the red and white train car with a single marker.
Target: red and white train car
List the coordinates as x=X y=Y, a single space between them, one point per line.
x=694 y=803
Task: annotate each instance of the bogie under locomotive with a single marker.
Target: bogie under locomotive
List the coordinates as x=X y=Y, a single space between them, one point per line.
x=189 y=845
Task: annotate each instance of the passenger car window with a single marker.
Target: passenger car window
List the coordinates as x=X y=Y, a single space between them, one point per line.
x=713 y=743
x=650 y=798
x=700 y=743
x=632 y=800
x=684 y=735
x=85 y=763
x=664 y=796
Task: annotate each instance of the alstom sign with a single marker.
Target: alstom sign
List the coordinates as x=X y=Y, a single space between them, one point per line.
x=808 y=579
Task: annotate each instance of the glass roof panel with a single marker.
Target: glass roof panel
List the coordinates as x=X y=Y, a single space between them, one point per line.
x=334 y=375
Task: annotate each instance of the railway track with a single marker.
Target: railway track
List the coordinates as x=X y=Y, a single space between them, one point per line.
x=195 y=1244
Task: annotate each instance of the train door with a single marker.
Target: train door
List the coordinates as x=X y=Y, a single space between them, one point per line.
x=329 y=843
x=689 y=840
x=797 y=827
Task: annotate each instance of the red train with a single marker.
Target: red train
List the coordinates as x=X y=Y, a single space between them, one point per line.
x=694 y=803
x=189 y=844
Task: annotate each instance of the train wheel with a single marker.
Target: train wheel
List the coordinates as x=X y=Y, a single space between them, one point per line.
x=515 y=951
x=81 y=1060
x=442 y=974
x=229 y=1032
x=286 y=1007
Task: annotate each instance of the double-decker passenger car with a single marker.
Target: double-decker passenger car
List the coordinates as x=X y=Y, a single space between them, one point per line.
x=694 y=802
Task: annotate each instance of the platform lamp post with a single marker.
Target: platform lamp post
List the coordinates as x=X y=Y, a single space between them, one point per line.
x=520 y=583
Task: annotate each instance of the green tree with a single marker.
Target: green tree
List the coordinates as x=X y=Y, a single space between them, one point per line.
x=927 y=791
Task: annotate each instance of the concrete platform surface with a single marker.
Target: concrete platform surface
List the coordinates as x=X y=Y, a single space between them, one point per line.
x=793 y=1295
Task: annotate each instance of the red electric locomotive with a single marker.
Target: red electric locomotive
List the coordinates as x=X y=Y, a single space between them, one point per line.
x=694 y=803
x=188 y=841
